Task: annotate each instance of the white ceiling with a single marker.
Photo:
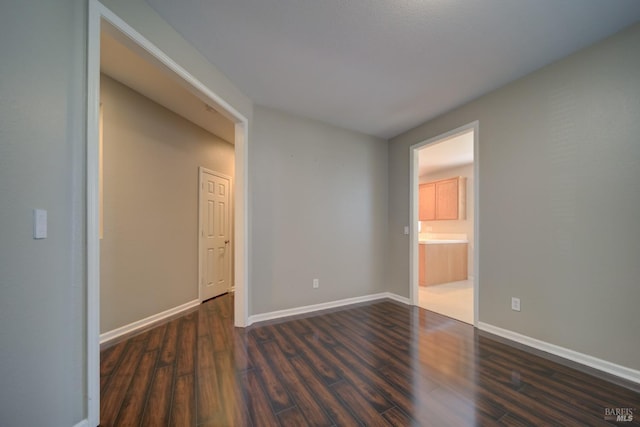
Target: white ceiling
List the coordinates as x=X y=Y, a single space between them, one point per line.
x=445 y=154
x=384 y=66
x=133 y=70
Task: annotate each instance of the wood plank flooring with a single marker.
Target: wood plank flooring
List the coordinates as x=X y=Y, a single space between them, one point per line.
x=375 y=364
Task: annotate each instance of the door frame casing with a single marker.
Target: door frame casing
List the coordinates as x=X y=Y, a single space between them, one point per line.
x=97 y=14
x=413 y=212
x=201 y=171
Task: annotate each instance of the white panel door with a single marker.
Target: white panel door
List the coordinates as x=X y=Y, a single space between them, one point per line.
x=215 y=234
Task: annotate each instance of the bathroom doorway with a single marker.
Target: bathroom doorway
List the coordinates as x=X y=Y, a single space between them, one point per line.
x=444 y=224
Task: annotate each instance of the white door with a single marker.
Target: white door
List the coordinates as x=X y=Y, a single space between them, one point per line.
x=215 y=234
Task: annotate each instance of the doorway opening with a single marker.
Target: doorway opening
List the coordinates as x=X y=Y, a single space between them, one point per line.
x=444 y=224
x=102 y=20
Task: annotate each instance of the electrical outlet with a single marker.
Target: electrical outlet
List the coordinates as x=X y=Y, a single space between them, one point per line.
x=39 y=224
x=316 y=283
x=515 y=304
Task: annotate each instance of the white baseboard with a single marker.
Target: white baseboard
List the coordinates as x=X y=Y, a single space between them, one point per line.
x=148 y=321
x=324 y=306
x=398 y=298
x=83 y=423
x=581 y=358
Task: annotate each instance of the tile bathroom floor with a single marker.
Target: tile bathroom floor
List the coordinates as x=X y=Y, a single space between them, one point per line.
x=453 y=299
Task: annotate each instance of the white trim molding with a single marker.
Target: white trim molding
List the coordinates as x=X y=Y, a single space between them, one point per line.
x=398 y=298
x=325 y=306
x=581 y=358
x=146 y=322
x=83 y=423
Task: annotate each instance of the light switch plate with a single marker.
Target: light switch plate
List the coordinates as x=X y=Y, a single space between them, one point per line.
x=39 y=224
x=406 y=230
x=515 y=304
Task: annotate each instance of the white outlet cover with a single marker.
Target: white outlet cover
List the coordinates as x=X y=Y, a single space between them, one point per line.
x=39 y=224
x=515 y=304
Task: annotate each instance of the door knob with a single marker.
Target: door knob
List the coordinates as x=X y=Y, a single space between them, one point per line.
x=226 y=242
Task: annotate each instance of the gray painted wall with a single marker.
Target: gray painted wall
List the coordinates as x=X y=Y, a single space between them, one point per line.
x=319 y=200
x=559 y=201
x=149 y=253
x=42 y=122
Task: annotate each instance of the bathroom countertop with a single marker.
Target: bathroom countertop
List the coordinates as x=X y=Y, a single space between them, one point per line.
x=441 y=241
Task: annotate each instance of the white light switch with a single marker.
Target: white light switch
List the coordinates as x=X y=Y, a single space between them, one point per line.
x=406 y=230
x=39 y=224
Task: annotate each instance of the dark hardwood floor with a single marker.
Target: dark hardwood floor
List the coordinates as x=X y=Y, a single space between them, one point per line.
x=380 y=363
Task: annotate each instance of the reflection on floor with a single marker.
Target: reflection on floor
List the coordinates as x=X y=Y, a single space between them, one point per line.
x=453 y=299
x=378 y=363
